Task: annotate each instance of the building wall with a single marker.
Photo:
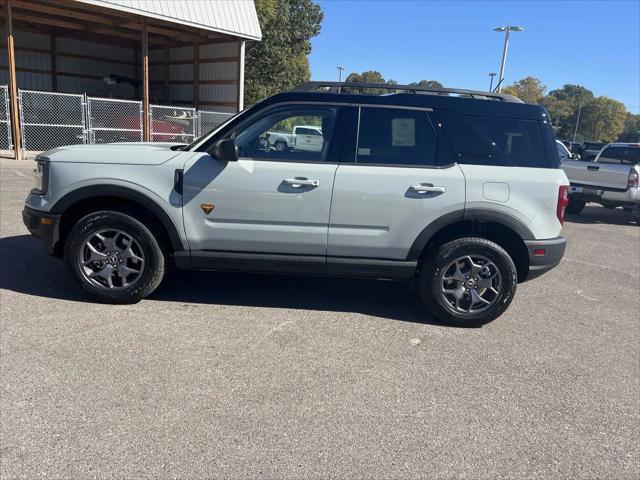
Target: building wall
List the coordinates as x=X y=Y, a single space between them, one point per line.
x=218 y=76
x=78 y=72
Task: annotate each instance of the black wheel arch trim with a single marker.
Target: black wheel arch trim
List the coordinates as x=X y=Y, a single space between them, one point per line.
x=484 y=214
x=94 y=191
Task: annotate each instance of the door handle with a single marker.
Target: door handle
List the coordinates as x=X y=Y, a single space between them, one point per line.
x=427 y=188
x=301 y=182
x=592 y=167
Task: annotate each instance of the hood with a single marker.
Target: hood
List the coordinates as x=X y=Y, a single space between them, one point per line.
x=116 y=153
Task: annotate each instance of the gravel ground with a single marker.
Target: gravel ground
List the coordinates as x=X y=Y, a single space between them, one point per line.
x=228 y=375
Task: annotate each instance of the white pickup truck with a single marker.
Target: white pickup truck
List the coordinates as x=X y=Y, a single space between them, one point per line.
x=610 y=180
x=303 y=137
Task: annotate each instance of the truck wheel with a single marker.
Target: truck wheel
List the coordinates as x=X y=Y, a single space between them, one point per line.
x=575 y=207
x=281 y=146
x=468 y=282
x=114 y=257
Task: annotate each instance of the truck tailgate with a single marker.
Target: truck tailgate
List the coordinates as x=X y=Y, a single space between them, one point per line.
x=604 y=175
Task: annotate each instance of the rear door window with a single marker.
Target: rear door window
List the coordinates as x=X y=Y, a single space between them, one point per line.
x=396 y=137
x=494 y=141
x=624 y=155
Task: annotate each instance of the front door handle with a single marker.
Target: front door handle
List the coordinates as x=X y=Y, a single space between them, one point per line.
x=301 y=182
x=593 y=167
x=427 y=188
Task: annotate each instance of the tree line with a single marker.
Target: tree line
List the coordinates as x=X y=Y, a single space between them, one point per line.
x=279 y=62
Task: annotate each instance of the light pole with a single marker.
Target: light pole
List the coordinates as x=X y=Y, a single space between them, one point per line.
x=507 y=30
x=340 y=69
x=492 y=74
x=575 y=131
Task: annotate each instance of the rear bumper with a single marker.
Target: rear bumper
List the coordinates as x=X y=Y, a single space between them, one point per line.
x=540 y=262
x=44 y=226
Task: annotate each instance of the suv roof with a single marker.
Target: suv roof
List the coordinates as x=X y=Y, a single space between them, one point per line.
x=469 y=102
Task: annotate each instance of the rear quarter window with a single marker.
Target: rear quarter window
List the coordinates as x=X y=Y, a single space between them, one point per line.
x=494 y=141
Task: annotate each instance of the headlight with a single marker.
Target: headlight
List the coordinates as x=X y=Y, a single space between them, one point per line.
x=41 y=175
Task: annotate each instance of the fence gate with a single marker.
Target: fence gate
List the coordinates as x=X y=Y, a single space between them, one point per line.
x=112 y=120
x=6 y=142
x=207 y=121
x=172 y=124
x=50 y=119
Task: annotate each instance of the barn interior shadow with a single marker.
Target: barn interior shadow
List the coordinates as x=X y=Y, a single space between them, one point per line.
x=25 y=268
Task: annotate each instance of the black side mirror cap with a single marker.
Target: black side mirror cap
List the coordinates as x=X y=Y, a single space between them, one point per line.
x=226 y=150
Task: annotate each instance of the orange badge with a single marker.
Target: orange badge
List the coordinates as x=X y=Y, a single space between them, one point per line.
x=207 y=207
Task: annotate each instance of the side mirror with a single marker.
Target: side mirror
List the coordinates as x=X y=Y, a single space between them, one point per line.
x=226 y=150
x=575 y=156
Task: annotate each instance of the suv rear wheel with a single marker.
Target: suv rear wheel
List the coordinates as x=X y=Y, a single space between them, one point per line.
x=468 y=281
x=114 y=257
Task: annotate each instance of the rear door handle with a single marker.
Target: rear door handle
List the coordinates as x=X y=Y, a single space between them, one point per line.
x=427 y=188
x=301 y=182
x=592 y=167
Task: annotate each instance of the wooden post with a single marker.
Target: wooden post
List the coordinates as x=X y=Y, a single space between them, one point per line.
x=241 y=75
x=167 y=90
x=196 y=74
x=16 y=131
x=54 y=64
x=146 y=130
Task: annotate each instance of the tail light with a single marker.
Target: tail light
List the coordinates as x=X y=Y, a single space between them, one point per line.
x=563 y=201
x=633 y=179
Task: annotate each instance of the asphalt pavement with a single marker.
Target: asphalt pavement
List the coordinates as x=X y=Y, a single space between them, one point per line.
x=249 y=376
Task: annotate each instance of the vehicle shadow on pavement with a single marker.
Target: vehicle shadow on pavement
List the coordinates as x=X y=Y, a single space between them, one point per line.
x=25 y=268
x=613 y=216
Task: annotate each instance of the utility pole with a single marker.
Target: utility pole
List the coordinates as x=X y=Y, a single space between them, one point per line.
x=507 y=30
x=340 y=69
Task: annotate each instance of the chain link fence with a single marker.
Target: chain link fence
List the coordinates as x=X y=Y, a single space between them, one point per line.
x=172 y=124
x=50 y=119
x=207 y=121
x=111 y=120
x=6 y=142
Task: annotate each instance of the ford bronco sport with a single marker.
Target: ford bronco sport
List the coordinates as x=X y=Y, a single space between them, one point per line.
x=459 y=191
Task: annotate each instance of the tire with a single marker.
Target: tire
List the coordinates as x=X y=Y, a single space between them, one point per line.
x=127 y=267
x=575 y=207
x=500 y=275
x=281 y=146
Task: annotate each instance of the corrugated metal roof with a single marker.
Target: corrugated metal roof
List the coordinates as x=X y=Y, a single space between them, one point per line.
x=235 y=17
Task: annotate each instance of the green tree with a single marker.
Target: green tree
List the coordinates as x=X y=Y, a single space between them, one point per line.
x=603 y=119
x=567 y=101
x=370 y=76
x=529 y=90
x=631 y=130
x=427 y=84
x=279 y=62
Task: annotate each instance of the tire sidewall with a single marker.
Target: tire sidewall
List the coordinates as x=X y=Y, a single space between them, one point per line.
x=431 y=278
x=154 y=259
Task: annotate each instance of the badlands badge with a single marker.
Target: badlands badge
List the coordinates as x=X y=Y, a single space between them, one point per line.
x=207 y=208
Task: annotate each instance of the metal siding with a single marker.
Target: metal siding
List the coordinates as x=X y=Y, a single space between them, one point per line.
x=219 y=50
x=234 y=17
x=219 y=71
x=218 y=93
x=70 y=45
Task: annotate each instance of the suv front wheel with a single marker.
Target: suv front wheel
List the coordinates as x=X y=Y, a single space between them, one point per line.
x=114 y=257
x=468 y=281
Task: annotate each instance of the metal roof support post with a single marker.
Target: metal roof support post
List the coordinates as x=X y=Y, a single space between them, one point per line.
x=146 y=133
x=13 y=87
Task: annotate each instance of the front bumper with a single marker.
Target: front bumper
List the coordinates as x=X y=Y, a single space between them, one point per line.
x=44 y=226
x=544 y=255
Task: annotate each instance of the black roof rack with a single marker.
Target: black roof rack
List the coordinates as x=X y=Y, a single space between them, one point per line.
x=335 y=87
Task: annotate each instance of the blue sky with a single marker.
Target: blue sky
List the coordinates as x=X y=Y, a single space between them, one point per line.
x=591 y=43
